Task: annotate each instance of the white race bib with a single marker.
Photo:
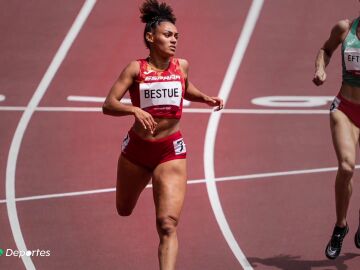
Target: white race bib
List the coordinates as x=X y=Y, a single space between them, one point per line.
x=352 y=59
x=160 y=93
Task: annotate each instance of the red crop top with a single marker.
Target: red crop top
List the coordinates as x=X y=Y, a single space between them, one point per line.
x=159 y=93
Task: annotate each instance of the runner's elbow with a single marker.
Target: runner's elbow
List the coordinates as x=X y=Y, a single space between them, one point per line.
x=328 y=53
x=106 y=107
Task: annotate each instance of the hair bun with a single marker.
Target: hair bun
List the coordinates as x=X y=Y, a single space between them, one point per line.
x=152 y=11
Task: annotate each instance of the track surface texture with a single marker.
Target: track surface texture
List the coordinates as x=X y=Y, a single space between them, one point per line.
x=261 y=178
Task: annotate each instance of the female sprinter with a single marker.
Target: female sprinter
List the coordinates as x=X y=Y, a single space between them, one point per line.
x=344 y=121
x=154 y=147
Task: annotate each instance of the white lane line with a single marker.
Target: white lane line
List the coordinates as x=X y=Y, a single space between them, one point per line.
x=24 y=121
x=88 y=99
x=2 y=98
x=102 y=99
x=61 y=195
x=293 y=101
x=272 y=111
x=212 y=127
x=12 y=108
x=186 y=110
x=261 y=176
x=69 y=109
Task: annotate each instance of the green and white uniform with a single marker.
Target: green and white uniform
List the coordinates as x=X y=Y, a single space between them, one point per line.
x=350 y=51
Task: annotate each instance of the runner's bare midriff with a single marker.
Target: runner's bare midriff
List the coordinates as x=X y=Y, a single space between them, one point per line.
x=351 y=93
x=165 y=127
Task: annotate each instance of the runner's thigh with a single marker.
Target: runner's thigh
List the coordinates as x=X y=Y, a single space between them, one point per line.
x=131 y=181
x=169 y=187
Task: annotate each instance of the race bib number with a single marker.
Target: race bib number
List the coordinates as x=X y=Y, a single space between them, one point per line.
x=160 y=93
x=179 y=146
x=352 y=60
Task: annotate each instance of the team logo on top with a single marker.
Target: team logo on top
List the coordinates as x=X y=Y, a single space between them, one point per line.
x=335 y=104
x=179 y=146
x=171 y=77
x=147 y=72
x=125 y=142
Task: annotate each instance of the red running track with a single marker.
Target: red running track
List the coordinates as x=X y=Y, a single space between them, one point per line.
x=278 y=221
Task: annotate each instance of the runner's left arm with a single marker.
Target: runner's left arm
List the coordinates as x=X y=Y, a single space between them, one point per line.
x=337 y=36
x=194 y=94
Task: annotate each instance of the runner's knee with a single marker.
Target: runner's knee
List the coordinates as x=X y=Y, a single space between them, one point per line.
x=346 y=168
x=166 y=225
x=124 y=210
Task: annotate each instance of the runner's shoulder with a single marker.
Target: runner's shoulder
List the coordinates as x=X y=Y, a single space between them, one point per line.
x=342 y=26
x=133 y=68
x=184 y=64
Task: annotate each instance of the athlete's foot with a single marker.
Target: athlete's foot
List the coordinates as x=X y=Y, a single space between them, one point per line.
x=333 y=248
x=357 y=238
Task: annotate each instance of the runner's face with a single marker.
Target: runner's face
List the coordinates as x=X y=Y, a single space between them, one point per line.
x=165 y=38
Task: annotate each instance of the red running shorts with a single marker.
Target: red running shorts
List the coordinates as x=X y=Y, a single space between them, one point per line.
x=350 y=109
x=150 y=153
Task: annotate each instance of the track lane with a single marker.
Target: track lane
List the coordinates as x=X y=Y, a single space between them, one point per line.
x=269 y=220
x=87 y=71
x=22 y=126
x=77 y=76
x=29 y=47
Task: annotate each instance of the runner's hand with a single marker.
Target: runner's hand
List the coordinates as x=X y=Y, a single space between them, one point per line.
x=145 y=119
x=214 y=101
x=319 y=77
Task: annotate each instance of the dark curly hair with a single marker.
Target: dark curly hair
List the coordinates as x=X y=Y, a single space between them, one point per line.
x=152 y=14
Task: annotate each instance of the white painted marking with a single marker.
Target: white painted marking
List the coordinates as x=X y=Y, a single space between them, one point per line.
x=262 y=176
x=12 y=108
x=292 y=101
x=2 y=98
x=86 y=99
x=186 y=103
x=24 y=121
x=270 y=111
x=185 y=110
x=69 y=109
x=212 y=127
x=67 y=194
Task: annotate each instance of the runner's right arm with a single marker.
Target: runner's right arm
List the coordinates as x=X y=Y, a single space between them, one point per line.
x=337 y=36
x=113 y=106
